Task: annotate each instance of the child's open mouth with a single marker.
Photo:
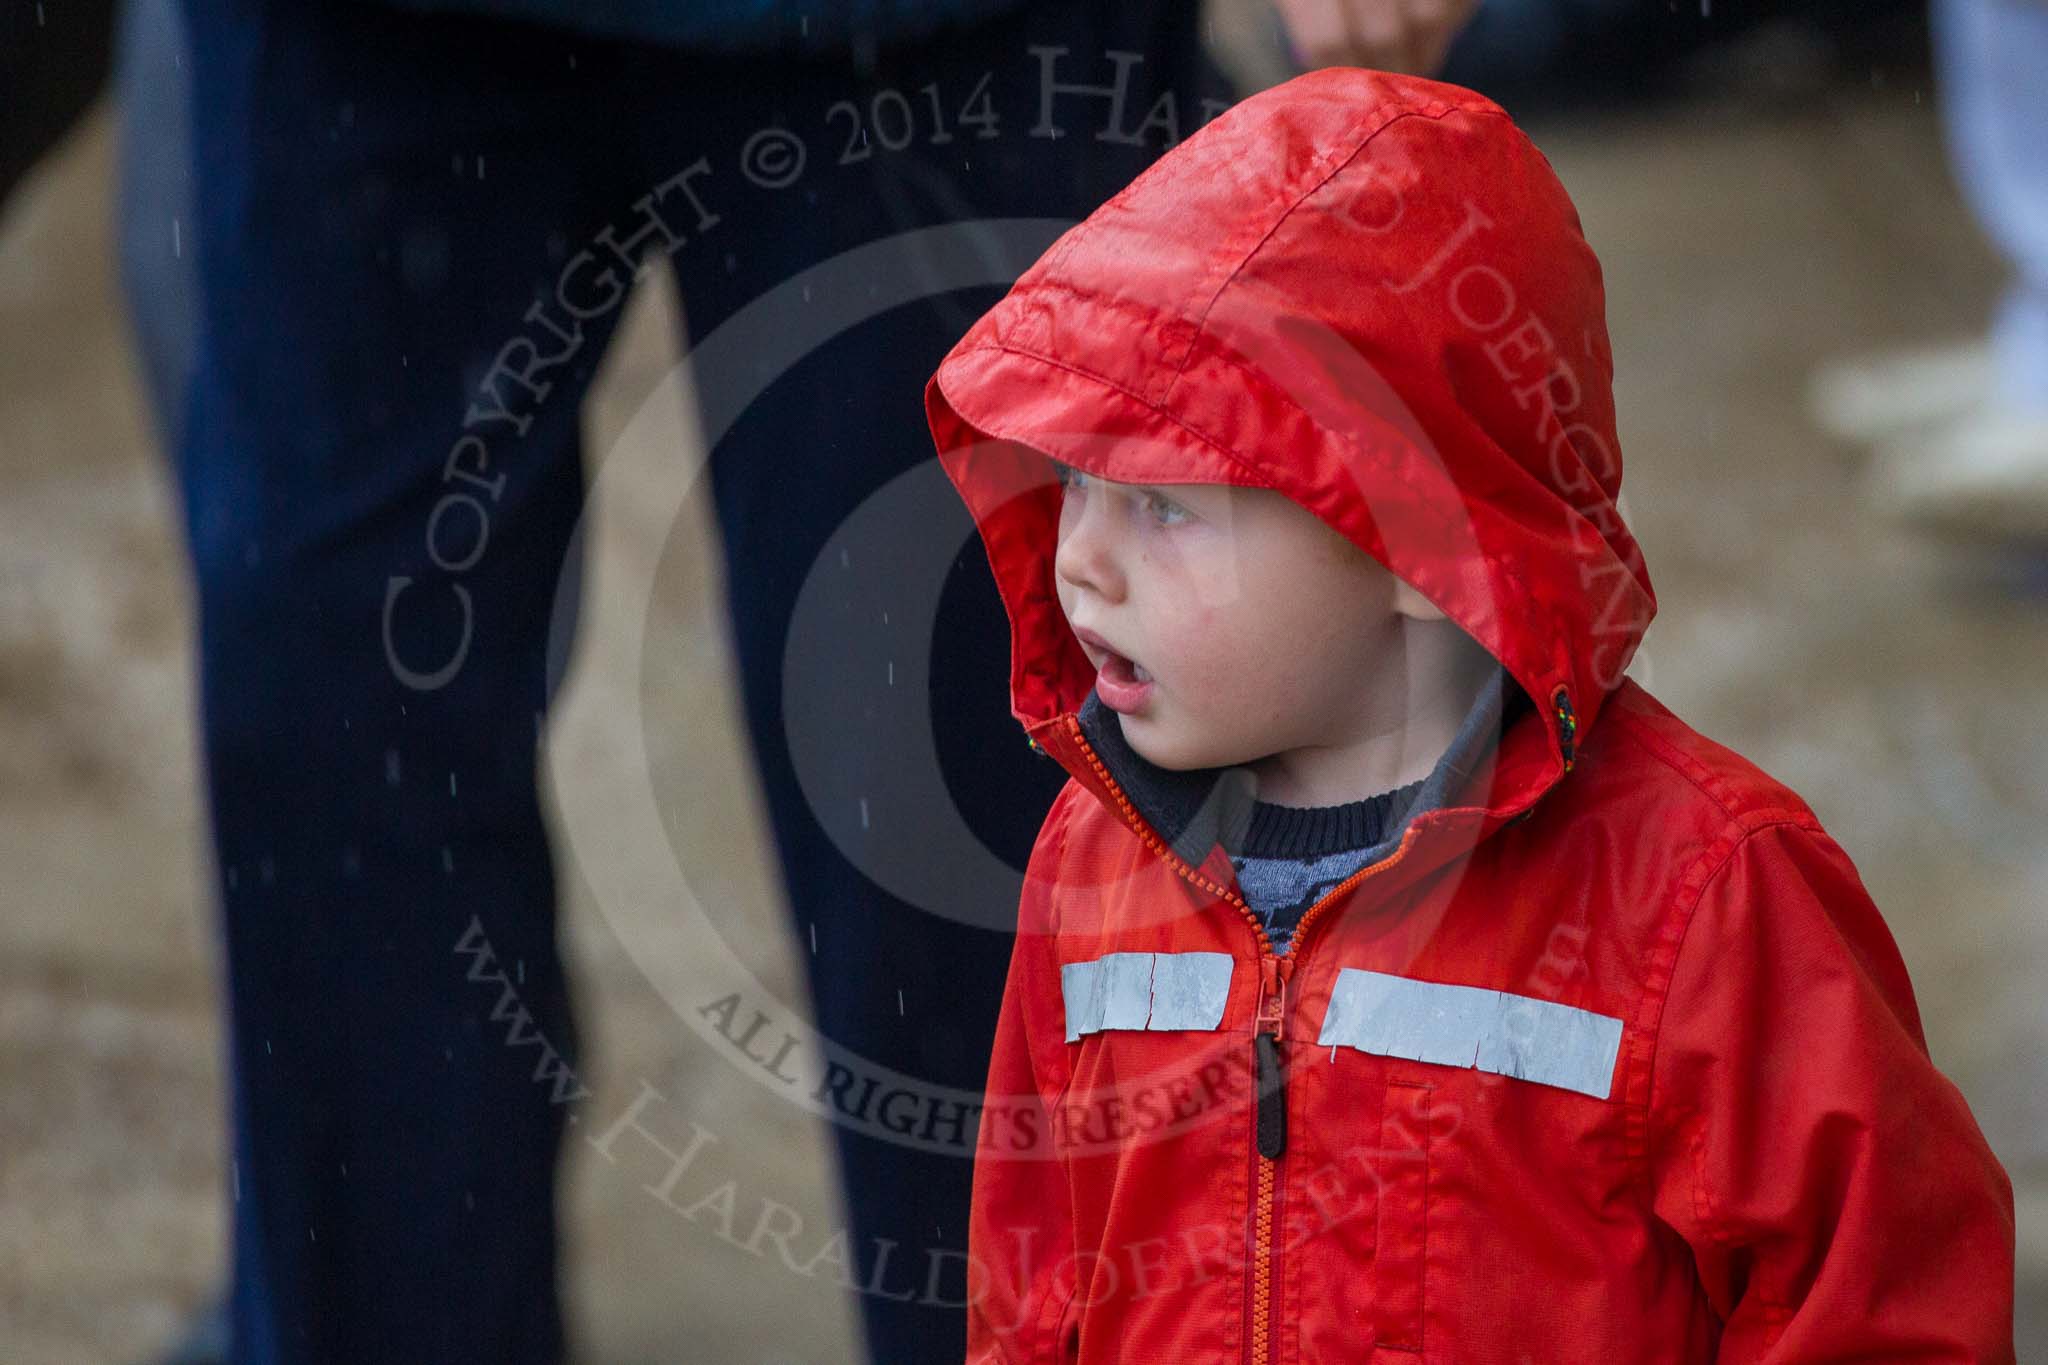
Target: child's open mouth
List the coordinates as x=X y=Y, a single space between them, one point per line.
x=1121 y=683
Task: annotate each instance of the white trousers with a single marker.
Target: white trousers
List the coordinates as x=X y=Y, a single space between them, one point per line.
x=1992 y=65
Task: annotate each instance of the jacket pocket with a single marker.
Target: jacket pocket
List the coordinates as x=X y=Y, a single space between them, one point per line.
x=1403 y=1236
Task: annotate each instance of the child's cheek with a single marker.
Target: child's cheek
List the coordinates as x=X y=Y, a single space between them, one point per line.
x=1192 y=631
x=1205 y=641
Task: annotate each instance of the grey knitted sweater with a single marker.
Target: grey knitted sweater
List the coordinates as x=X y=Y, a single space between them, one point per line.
x=1288 y=857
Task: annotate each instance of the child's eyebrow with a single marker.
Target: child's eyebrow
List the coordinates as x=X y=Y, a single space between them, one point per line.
x=1062 y=467
x=1159 y=489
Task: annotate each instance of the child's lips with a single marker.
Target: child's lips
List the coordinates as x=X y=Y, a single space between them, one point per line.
x=1096 y=647
x=1123 y=686
x=1121 y=682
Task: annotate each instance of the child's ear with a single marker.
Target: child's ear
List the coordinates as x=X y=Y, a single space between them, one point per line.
x=1409 y=602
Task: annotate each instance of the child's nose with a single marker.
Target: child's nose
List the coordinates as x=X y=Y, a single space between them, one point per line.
x=1087 y=553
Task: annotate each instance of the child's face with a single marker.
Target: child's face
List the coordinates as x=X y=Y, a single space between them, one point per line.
x=1229 y=625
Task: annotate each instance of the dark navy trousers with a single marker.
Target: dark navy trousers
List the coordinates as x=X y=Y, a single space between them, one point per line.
x=407 y=240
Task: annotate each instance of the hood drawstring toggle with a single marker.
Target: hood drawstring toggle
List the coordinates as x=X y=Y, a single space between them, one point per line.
x=1567 y=724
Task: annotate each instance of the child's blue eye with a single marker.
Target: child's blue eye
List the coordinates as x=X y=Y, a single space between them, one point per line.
x=1165 y=510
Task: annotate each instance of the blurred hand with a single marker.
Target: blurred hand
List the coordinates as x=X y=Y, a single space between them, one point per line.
x=1409 y=36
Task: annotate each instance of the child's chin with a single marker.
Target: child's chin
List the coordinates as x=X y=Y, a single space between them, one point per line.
x=1160 y=747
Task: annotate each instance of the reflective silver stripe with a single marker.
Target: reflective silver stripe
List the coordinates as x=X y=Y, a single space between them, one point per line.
x=1497 y=1031
x=1078 y=982
x=1126 y=989
x=1156 y=991
x=1189 y=989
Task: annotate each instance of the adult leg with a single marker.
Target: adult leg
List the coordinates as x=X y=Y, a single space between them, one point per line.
x=1995 y=111
x=902 y=795
x=378 y=488
x=1984 y=473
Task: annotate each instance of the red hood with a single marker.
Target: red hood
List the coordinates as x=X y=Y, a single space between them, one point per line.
x=1370 y=293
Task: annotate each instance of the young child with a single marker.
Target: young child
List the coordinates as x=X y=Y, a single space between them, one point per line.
x=1397 y=980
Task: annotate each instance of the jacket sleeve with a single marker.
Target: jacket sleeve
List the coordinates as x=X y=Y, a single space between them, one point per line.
x=1837 y=1195
x=1021 y=1266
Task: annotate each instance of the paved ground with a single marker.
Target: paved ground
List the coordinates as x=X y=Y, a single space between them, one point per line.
x=1896 y=687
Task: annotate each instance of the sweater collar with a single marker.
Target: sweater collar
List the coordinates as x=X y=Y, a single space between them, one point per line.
x=1197 y=809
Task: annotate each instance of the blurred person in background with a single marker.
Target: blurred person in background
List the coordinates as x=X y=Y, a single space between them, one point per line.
x=368 y=207
x=1961 y=430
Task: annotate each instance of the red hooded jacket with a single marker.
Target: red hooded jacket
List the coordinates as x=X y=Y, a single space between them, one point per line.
x=1611 y=1058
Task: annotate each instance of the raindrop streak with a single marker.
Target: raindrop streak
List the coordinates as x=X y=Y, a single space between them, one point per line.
x=814 y=938
x=177 y=240
x=863 y=812
x=892 y=672
x=391 y=767
x=899 y=1000
x=451 y=784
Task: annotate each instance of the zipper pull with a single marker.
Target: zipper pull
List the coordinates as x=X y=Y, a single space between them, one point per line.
x=1272 y=997
x=1271 y=1086
x=1272 y=1096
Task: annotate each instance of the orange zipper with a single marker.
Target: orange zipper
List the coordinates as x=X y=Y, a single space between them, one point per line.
x=1268 y=1066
